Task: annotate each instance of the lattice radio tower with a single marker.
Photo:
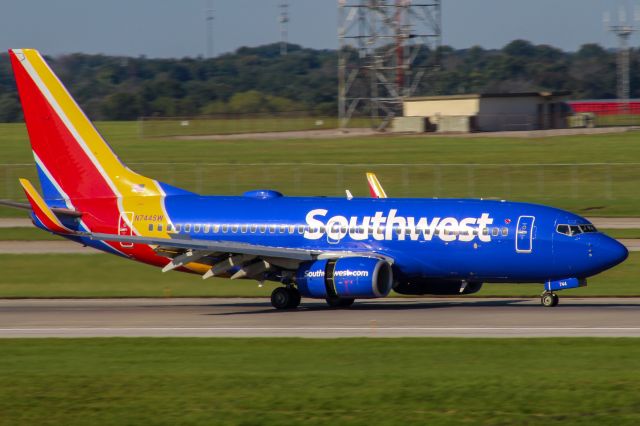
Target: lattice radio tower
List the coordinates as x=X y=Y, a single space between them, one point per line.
x=284 y=24
x=209 y=18
x=623 y=31
x=388 y=50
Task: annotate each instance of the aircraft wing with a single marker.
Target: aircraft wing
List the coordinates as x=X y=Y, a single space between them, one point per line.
x=212 y=246
x=225 y=254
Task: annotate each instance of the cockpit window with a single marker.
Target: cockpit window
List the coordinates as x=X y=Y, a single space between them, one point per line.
x=588 y=228
x=573 y=230
x=563 y=229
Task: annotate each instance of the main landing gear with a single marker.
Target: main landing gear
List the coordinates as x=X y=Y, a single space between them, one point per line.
x=549 y=299
x=285 y=298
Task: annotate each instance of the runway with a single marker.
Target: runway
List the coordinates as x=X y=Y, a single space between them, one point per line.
x=600 y=222
x=470 y=317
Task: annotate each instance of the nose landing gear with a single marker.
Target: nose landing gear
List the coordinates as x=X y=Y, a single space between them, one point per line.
x=549 y=299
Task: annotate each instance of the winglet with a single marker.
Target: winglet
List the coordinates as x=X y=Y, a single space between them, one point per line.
x=42 y=211
x=375 y=188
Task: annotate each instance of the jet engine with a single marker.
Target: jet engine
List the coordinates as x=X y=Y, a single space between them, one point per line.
x=437 y=287
x=349 y=277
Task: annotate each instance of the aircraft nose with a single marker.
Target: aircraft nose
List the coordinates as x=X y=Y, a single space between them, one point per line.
x=609 y=252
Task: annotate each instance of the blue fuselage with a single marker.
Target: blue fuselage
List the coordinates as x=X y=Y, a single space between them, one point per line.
x=450 y=239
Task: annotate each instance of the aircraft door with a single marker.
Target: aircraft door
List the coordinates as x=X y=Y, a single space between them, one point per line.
x=524 y=234
x=124 y=227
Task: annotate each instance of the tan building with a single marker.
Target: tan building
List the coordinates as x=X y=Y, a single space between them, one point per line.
x=489 y=112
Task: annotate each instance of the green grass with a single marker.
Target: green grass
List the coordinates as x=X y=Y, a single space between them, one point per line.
x=318 y=382
x=622 y=233
x=618 y=120
x=102 y=275
x=492 y=167
x=160 y=127
x=27 y=234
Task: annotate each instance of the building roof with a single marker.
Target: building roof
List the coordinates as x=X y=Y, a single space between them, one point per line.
x=489 y=95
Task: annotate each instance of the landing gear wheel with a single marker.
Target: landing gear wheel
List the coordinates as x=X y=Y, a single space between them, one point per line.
x=549 y=300
x=340 y=302
x=295 y=297
x=285 y=298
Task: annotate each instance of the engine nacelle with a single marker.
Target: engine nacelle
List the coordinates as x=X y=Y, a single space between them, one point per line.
x=436 y=288
x=348 y=277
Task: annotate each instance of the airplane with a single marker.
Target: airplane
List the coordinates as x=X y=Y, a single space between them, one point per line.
x=337 y=249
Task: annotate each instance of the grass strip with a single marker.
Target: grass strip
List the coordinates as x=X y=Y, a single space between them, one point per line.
x=317 y=382
x=102 y=275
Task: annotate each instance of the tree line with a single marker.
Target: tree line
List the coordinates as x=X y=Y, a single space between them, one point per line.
x=259 y=79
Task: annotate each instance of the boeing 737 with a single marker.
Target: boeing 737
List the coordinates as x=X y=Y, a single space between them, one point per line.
x=337 y=249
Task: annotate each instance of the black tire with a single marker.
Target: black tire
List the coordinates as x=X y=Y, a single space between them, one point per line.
x=340 y=302
x=281 y=298
x=295 y=297
x=549 y=300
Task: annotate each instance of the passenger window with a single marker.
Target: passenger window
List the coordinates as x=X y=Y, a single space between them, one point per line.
x=505 y=231
x=495 y=232
x=272 y=229
x=159 y=227
x=196 y=228
x=225 y=228
x=283 y=229
x=178 y=228
x=169 y=228
x=206 y=229
x=263 y=229
x=292 y=229
x=187 y=227
x=234 y=228
x=300 y=229
x=243 y=229
x=485 y=231
x=216 y=228
x=254 y=228
x=151 y=227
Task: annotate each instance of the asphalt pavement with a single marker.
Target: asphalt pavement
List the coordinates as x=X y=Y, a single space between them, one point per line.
x=467 y=317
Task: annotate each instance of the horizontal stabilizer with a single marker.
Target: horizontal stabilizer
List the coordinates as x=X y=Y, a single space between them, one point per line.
x=15 y=204
x=42 y=211
x=26 y=206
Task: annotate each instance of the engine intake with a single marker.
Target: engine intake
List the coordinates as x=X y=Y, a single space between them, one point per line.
x=349 y=277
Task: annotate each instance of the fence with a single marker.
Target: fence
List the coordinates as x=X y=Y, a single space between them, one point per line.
x=595 y=188
x=610 y=112
x=225 y=124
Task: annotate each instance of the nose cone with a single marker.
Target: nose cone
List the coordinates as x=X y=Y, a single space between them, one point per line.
x=609 y=252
